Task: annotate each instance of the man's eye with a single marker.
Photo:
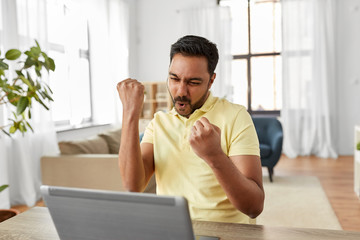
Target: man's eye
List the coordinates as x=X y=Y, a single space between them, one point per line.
x=194 y=83
x=174 y=79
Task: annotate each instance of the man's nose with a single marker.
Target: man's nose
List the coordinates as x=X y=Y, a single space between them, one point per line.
x=182 y=89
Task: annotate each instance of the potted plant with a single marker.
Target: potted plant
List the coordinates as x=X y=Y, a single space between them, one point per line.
x=25 y=86
x=6 y=213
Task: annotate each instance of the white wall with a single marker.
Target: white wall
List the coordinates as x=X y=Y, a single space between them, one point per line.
x=348 y=72
x=133 y=42
x=158 y=28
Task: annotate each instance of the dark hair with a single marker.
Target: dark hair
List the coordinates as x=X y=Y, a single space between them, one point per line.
x=191 y=45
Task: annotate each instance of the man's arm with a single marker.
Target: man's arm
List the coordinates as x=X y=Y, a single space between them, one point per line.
x=240 y=176
x=241 y=179
x=136 y=163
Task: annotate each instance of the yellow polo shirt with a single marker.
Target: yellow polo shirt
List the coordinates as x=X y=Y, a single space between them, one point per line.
x=179 y=171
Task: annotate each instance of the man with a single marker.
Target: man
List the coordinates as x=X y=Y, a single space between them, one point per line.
x=205 y=149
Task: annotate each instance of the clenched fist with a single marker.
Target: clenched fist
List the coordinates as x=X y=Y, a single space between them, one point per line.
x=205 y=139
x=131 y=94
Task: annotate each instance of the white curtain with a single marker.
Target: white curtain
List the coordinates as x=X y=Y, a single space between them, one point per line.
x=109 y=41
x=309 y=96
x=23 y=21
x=119 y=21
x=213 y=23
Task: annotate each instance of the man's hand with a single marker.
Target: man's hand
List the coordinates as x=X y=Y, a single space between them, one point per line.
x=131 y=94
x=240 y=176
x=205 y=139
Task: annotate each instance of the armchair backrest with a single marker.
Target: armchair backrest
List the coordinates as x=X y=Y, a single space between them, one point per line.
x=267 y=128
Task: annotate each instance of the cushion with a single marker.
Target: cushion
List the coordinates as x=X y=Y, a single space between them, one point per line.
x=96 y=145
x=112 y=139
x=265 y=150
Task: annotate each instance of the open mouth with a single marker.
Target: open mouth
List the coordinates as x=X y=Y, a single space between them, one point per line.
x=182 y=104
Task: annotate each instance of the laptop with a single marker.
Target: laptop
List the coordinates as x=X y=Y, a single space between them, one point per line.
x=97 y=214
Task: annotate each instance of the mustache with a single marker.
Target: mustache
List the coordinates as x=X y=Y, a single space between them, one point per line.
x=182 y=99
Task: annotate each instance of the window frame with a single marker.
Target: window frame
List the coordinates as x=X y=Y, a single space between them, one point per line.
x=248 y=57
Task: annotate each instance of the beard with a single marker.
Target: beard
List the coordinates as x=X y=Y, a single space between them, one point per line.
x=184 y=107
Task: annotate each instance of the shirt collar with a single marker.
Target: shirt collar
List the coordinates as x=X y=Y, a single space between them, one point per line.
x=209 y=103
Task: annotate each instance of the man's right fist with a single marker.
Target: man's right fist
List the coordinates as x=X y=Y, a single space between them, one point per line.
x=131 y=93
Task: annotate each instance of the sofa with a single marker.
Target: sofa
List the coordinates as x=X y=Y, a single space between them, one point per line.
x=87 y=163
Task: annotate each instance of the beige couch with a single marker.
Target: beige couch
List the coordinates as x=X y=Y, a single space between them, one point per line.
x=89 y=163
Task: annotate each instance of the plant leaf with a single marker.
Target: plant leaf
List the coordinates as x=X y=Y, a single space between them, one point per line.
x=29 y=62
x=47 y=96
x=47 y=86
x=42 y=103
x=15 y=116
x=5 y=132
x=35 y=51
x=37 y=70
x=22 y=127
x=27 y=123
x=51 y=64
x=13 y=54
x=3 y=65
x=3 y=187
x=12 y=129
x=19 y=73
x=25 y=80
x=12 y=98
x=30 y=79
x=22 y=105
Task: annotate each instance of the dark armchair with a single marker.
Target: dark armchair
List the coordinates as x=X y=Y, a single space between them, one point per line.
x=270 y=134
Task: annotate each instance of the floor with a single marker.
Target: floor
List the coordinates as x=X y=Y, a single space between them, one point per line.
x=336 y=177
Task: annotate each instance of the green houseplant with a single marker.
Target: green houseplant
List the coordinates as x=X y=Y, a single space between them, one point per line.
x=26 y=85
x=21 y=84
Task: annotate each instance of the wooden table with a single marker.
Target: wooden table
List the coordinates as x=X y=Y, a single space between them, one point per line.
x=36 y=223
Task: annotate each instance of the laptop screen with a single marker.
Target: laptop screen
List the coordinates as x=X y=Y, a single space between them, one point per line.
x=97 y=214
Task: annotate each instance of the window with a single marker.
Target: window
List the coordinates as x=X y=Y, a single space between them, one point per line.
x=71 y=82
x=256 y=49
x=89 y=42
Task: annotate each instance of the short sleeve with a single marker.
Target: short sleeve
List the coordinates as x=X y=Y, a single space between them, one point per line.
x=244 y=140
x=149 y=133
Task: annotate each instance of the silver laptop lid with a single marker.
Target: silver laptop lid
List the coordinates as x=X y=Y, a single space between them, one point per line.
x=97 y=214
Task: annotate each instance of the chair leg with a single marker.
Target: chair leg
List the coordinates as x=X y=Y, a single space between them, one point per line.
x=271 y=172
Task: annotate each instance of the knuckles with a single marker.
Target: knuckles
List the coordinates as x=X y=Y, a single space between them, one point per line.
x=130 y=85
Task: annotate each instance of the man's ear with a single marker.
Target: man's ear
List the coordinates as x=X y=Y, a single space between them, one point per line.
x=212 y=80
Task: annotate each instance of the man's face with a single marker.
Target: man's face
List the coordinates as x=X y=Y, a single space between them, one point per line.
x=189 y=82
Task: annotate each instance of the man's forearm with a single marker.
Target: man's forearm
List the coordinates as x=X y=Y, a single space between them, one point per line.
x=130 y=160
x=243 y=192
